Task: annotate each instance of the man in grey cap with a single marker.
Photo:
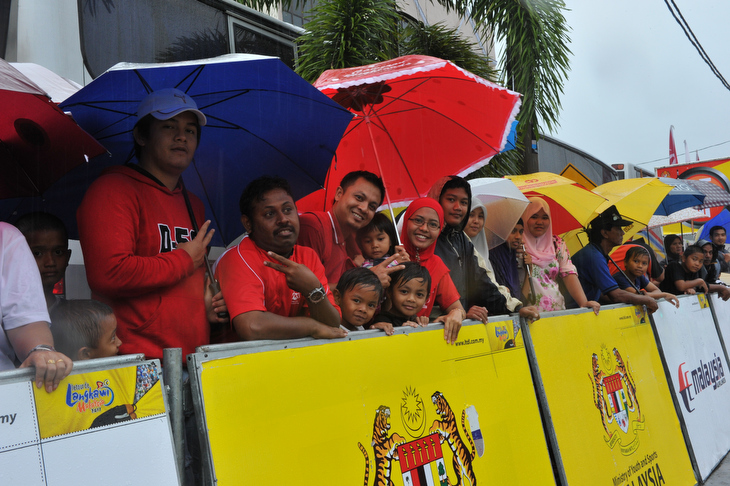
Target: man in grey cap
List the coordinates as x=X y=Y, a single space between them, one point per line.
x=605 y=232
x=141 y=254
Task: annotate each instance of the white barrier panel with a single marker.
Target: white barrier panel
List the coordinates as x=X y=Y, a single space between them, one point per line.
x=109 y=424
x=696 y=365
x=406 y=409
x=722 y=314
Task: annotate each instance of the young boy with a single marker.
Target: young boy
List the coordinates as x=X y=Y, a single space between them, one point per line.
x=684 y=277
x=48 y=240
x=358 y=295
x=636 y=262
x=406 y=296
x=85 y=329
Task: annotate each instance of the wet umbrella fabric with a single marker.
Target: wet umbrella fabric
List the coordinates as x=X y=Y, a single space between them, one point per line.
x=263 y=119
x=417 y=118
x=504 y=203
x=39 y=143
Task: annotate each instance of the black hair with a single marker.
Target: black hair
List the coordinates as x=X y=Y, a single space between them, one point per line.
x=715 y=228
x=359 y=276
x=411 y=271
x=457 y=182
x=595 y=228
x=256 y=189
x=144 y=126
x=380 y=222
x=41 y=221
x=519 y=221
x=352 y=177
x=635 y=251
x=692 y=249
x=77 y=324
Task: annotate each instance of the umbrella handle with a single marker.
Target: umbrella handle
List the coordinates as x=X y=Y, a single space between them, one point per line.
x=532 y=298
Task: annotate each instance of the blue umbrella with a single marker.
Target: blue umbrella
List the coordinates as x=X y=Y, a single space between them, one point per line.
x=722 y=219
x=263 y=119
x=683 y=195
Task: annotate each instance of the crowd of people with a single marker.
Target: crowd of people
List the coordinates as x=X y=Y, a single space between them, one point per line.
x=318 y=274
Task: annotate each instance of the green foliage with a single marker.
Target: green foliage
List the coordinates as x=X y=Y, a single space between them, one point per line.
x=445 y=43
x=347 y=33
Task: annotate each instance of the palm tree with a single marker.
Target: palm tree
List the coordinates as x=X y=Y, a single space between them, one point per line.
x=534 y=62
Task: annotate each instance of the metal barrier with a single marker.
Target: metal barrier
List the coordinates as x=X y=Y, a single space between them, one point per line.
x=109 y=411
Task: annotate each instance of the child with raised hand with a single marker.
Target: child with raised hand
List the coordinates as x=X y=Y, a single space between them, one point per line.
x=85 y=329
x=684 y=277
x=406 y=296
x=358 y=295
x=636 y=262
x=377 y=241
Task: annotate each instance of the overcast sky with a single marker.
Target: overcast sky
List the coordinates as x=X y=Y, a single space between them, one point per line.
x=634 y=73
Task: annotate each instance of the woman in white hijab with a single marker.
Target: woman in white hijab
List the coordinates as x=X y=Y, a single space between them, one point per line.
x=474 y=229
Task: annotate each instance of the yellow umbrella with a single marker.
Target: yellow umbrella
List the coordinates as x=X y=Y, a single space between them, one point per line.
x=571 y=205
x=635 y=199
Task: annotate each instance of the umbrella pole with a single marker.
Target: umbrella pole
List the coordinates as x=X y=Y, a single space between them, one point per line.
x=380 y=169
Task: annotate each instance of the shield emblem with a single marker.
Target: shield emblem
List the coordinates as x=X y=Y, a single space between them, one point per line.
x=617 y=400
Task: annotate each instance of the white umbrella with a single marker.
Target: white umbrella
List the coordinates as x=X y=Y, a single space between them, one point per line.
x=505 y=205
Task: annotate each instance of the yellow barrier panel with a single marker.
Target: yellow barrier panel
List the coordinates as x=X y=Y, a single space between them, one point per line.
x=612 y=412
x=408 y=408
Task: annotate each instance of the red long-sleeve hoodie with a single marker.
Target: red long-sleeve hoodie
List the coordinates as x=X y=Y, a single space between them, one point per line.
x=129 y=227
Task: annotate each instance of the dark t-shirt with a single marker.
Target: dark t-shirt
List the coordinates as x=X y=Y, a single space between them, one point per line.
x=396 y=321
x=624 y=284
x=675 y=271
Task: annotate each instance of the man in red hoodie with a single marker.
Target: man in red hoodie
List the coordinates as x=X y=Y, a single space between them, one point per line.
x=141 y=254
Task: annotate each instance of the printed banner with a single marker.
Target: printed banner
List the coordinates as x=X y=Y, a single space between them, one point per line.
x=89 y=400
x=406 y=408
x=610 y=404
x=696 y=364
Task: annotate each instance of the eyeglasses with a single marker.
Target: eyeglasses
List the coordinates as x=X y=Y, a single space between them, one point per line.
x=431 y=224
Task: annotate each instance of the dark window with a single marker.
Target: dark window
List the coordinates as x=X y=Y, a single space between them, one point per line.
x=150 y=31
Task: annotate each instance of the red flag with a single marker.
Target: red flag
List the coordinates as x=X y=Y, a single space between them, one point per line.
x=672 y=149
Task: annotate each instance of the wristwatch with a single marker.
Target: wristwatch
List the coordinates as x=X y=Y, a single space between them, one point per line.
x=317 y=295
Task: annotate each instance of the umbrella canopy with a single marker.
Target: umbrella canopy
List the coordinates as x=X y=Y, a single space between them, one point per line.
x=263 y=119
x=571 y=205
x=505 y=205
x=722 y=219
x=635 y=199
x=715 y=195
x=687 y=214
x=38 y=142
x=417 y=118
x=683 y=195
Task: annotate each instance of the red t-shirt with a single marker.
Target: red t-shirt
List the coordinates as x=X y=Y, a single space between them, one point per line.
x=249 y=285
x=321 y=232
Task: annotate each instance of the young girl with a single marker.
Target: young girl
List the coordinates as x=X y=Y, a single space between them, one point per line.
x=684 y=277
x=636 y=262
x=377 y=241
x=407 y=295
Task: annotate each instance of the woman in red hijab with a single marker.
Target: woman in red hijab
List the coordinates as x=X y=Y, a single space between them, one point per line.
x=422 y=224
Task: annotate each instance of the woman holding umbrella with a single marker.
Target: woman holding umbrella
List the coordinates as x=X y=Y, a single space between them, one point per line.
x=550 y=260
x=422 y=225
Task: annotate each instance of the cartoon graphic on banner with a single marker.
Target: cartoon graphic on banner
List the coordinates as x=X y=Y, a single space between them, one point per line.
x=614 y=395
x=101 y=398
x=422 y=460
